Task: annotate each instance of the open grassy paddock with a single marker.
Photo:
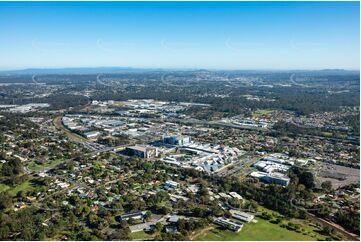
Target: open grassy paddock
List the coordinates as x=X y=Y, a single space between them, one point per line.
x=36 y=167
x=266 y=230
x=262 y=230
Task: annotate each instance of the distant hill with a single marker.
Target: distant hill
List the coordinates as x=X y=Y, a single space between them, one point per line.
x=112 y=70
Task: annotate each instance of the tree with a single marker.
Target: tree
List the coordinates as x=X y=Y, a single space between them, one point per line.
x=327 y=230
x=349 y=220
x=304 y=177
x=234 y=202
x=4 y=232
x=227 y=214
x=307 y=179
x=5 y=200
x=147 y=216
x=165 y=210
x=326 y=186
x=159 y=226
x=251 y=206
x=93 y=220
x=11 y=168
x=121 y=234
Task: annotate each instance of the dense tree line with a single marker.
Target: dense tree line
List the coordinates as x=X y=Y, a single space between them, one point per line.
x=349 y=220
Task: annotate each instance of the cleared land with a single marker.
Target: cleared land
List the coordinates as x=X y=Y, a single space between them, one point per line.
x=338 y=175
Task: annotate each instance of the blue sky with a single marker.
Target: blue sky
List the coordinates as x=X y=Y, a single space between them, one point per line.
x=217 y=35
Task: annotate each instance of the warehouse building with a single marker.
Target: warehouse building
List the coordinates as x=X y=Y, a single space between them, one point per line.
x=91 y=134
x=277 y=178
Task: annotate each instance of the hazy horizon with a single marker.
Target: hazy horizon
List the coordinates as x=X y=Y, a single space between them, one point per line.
x=170 y=69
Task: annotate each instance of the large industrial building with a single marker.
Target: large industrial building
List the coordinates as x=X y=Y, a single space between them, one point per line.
x=177 y=140
x=270 y=166
x=277 y=178
x=142 y=151
x=91 y=134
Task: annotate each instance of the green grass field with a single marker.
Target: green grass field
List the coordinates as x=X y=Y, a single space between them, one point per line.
x=36 y=167
x=262 y=230
x=25 y=186
x=258 y=113
x=141 y=235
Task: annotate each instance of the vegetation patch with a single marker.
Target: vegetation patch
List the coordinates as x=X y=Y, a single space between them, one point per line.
x=3 y=187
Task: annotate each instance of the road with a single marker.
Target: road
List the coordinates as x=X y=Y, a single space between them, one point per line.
x=33 y=79
x=296 y=83
x=101 y=82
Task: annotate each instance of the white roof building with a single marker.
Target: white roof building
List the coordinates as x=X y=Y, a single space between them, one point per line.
x=235 y=195
x=242 y=216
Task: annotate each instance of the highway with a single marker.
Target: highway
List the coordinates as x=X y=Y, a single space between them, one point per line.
x=101 y=82
x=33 y=79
